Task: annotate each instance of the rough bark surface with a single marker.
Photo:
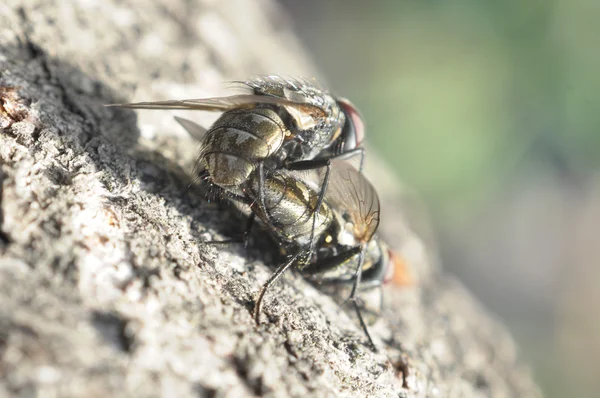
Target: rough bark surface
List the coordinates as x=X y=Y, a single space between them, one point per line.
x=105 y=284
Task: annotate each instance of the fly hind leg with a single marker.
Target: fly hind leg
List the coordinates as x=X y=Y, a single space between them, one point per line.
x=272 y=279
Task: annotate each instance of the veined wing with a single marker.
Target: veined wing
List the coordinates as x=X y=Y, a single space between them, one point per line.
x=222 y=103
x=349 y=191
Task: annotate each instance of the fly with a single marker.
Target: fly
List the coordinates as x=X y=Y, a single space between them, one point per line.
x=347 y=250
x=282 y=149
x=281 y=124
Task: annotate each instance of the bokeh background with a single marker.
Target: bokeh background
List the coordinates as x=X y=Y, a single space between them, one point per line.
x=491 y=111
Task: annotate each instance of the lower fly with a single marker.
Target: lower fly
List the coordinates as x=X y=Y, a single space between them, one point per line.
x=325 y=217
x=332 y=242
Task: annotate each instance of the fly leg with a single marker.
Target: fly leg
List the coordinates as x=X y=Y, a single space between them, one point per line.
x=274 y=277
x=320 y=162
x=317 y=164
x=309 y=165
x=370 y=279
x=241 y=239
x=236 y=198
x=373 y=279
x=335 y=261
x=261 y=197
x=354 y=298
x=330 y=263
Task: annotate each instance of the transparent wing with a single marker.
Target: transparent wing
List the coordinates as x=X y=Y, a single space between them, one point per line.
x=354 y=160
x=349 y=191
x=196 y=131
x=220 y=103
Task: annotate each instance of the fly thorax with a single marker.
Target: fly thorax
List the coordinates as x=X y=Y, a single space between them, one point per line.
x=272 y=164
x=296 y=150
x=318 y=138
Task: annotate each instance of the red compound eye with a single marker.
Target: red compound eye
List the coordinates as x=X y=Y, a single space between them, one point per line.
x=354 y=131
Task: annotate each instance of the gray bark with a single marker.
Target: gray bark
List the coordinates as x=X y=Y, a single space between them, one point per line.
x=105 y=284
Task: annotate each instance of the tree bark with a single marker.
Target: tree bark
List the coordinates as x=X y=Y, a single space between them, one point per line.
x=105 y=284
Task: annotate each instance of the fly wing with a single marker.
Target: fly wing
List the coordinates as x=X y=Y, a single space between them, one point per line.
x=220 y=103
x=196 y=131
x=295 y=89
x=311 y=103
x=349 y=191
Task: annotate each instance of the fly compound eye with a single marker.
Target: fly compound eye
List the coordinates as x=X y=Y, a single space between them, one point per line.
x=353 y=132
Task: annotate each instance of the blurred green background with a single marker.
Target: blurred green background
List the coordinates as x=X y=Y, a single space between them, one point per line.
x=491 y=111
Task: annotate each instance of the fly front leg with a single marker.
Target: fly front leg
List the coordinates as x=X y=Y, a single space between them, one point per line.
x=367 y=278
x=335 y=261
x=330 y=263
x=354 y=298
x=370 y=279
x=321 y=161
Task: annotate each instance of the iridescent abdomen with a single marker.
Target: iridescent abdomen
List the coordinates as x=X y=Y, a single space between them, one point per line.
x=290 y=205
x=237 y=141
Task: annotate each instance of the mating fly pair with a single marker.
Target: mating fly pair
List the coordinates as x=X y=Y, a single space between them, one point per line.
x=283 y=149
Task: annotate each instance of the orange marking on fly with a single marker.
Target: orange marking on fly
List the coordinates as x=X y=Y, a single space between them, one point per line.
x=398 y=273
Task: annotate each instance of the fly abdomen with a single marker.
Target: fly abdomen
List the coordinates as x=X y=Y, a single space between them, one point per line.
x=237 y=141
x=290 y=205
